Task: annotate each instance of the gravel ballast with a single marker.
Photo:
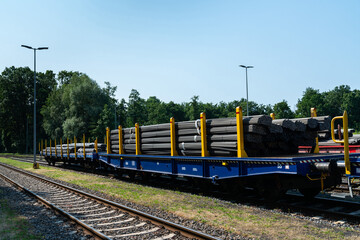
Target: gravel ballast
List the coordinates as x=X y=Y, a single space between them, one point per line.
x=43 y=222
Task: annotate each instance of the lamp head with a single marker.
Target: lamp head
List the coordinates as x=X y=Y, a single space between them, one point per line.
x=25 y=46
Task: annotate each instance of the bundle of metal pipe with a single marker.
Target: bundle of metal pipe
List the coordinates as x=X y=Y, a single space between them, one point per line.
x=89 y=147
x=262 y=136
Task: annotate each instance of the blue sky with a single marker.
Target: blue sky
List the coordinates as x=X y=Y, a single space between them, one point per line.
x=177 y=49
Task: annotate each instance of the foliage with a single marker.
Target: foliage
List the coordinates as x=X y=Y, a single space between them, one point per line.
x=17 y=104
x=311 y=98
x=75 y=107
x=282 y=110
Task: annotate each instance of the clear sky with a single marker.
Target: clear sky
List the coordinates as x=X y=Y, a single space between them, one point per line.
x=177 y=49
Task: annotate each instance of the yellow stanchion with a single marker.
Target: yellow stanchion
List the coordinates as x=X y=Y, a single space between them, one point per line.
x=272 y=115
x=240 y=134
x=345 y=141
x=107 y=142
x=204 y=150
x=137 y=139
x=121 y=149
x=173 y=137
x=316 y=149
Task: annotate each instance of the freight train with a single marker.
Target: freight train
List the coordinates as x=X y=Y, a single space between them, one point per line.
x=257 y=152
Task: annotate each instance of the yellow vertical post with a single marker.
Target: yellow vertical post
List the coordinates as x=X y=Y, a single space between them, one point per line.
x=346 y=144
x=137 y=139
x=204 y=150
x=108 y=149
x=173 y=137
x=96 y=145
x=84 y=146
x=345 y=141
x=240 y=133
x=75 y=148
x=88 y=140
x=316 y=148
x=50 y=148
x=272 y=115
x=70 y=141
x=55 y=148
x=121 y=149
x=61 y=150
x=45 y=147
x=68 y=151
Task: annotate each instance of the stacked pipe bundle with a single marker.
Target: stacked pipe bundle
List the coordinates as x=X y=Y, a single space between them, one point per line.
x=155 y=140
x=89 y=147
x=262 y=136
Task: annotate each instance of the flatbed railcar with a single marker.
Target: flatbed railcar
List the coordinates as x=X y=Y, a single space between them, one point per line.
x=270 y=176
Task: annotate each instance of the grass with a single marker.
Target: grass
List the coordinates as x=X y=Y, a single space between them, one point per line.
x=13 y=226
x=247 y=221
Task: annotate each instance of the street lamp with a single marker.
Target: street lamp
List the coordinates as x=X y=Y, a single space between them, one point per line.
x=247 y=95
x=40 y=48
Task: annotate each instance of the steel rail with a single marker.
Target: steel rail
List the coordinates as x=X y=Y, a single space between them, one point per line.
x=185 y=231
x=84 y=226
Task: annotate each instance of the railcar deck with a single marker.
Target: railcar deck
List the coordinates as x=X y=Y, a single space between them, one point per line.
x=211 y=167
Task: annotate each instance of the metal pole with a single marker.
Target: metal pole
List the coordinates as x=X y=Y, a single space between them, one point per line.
x=247 y=91
x=34 y=141
x=34 y=107
x=247 y=95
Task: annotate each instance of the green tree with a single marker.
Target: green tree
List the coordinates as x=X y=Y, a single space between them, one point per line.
x=175 y=110
x=156 y=111
x=282 y=110
x=121 y=111
x=136 y=112
x=333 y=100
x=192 y=109
x=75 y=107
x=17 y=104
x=311 y=98
x=351 y=103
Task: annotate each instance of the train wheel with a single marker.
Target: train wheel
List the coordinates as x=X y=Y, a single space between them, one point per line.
x=309 y=193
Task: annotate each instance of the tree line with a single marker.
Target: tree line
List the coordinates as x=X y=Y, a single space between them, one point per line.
x=72 y=104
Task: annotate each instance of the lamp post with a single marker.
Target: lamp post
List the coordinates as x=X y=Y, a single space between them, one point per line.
x=40 y=48
x=247 y=95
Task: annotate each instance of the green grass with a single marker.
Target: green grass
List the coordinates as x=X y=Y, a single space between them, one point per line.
x=13 y=226
x=244 y=220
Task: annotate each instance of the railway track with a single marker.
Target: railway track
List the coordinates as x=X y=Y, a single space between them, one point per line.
x=101 y=218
